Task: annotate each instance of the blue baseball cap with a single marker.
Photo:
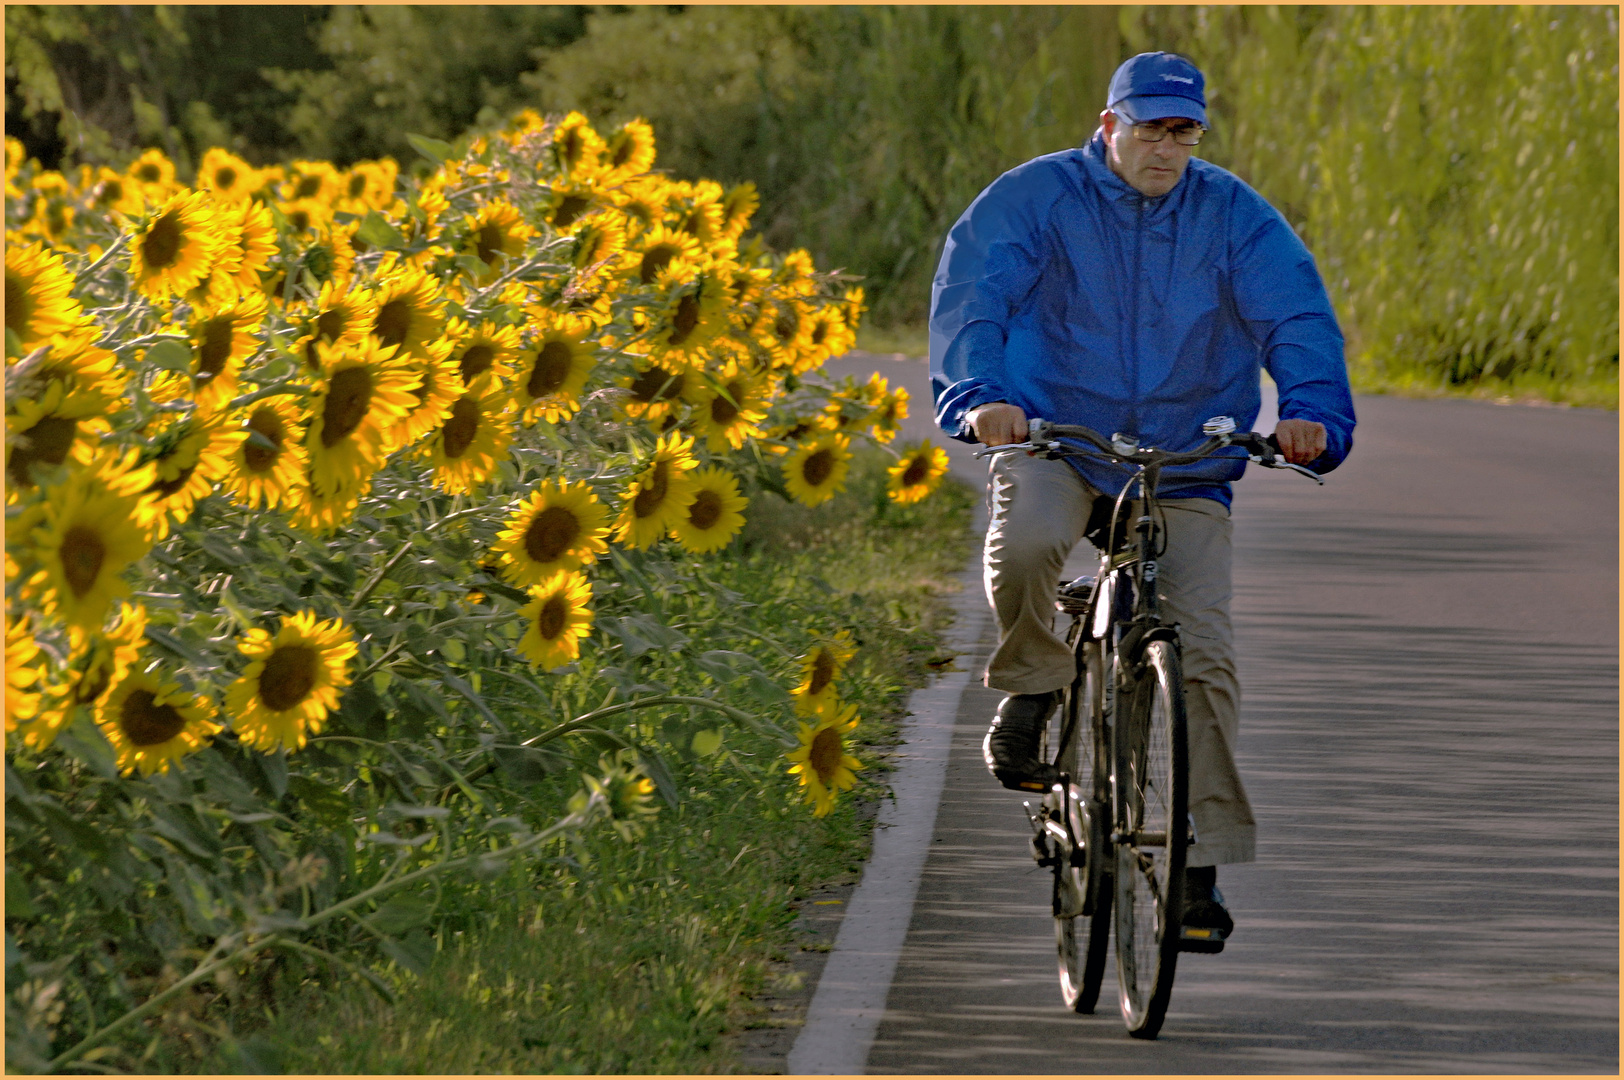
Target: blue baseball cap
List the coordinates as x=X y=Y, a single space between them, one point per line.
x=1156 y=86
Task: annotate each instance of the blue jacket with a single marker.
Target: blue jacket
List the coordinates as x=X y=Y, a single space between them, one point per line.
x=1064 y=291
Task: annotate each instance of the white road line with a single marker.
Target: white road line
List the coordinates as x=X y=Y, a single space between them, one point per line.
x=850 y=1000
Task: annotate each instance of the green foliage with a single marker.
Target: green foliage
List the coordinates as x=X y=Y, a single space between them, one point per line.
x=1454 y=170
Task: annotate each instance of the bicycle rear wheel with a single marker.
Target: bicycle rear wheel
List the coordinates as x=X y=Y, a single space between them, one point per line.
x=1082 y=900
x=1152 y=775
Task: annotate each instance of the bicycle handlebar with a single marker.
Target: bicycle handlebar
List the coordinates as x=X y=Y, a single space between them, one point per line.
x=1044 y=435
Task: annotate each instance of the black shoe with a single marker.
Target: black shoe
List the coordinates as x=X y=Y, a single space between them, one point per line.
x=1011 y=746
x=1207 y=924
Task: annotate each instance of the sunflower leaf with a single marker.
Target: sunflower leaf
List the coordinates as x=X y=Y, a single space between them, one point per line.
x=400 y=914
x=171 y=354
x=436 y=150
x=725 y=666
x=657 y=770
x=413 y=953
x=376 y=231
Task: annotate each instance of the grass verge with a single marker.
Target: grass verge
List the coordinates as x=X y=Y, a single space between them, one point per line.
x=619 y=955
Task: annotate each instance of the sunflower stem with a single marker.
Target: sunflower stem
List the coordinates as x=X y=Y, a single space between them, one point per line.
x=286 y=386
x=378 y=575
x=89 y=273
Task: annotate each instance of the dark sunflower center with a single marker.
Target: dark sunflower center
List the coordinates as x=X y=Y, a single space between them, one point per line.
x=589 y=247
x=476 y=361
x=112 y=191
x=489 y=243
x=570 y=148
x=358 y=186
x=460 y=429
x=92 y=683
x=722 y=410
x=551 y=533
x=19 y=304
x=569 y=208
x=264 y=422
x=819 y=332
x=146 y=723
x=655 y=259
x=551 y=618
x=916 y=472
x=330 y=324
x=161 y=245
x=685 y=319
x=824 y=754
x=83 y=551
x=215 y=348
x=167 y=488
x=622 y=151
x=706 y=510
x=308 y=186
x=819 y=464
x=299 y=219
x=394 y=320
x=289 y=676
x=48 y=441
x=651 y=498
x=552 y=368
x=823 y=672
x=656 y=384
x=57 y=216
x=786 y=324
x=349 y=395
x=225 y=178
x=149 y=173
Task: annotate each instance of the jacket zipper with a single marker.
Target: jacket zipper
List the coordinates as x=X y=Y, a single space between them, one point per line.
x=1133 y=321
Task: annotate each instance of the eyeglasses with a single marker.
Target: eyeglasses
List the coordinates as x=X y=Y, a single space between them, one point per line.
x=1186 y=134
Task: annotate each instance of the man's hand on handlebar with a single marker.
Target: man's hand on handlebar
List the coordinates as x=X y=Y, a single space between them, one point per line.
x=1301 y=441
x=999 y=423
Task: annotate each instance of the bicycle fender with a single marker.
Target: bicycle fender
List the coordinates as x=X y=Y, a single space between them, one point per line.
x=1132 y=646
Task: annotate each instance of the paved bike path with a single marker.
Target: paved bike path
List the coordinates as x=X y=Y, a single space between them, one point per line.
x=1429 y=736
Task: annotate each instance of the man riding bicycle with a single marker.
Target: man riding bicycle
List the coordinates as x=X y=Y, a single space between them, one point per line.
x=1123 y=286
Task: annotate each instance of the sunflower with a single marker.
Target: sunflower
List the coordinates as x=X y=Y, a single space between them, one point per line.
x=38 y=285
x=696 y=209
x=731 y=409
x=44 y=431
x=577 y=148
x=816 y=696
x=52 y=217
x=794 y=276
x=365 y=393
x=438 y=387
x=16 y=154
x=740 y=202
x=409 y=310
x=467 y=447
x=786 y=331
x=252 y=243
x=496 y=234
x=712 y=519
x=268 y=466
x=917 y=473
x=659 y=494
x=817 y=469
x=889 y=412
x=327 y=255
x=98 y=662
x=58 y=398
x=559 y=527
x=641 y=201
x=222 y=339
x=22 y=697
x=690 y=319
x=556 y=619
x=491 y=349
x=318 y=510
x=152 y=724
x=91 y=527
x=338 y=316
x=568 y=206
x=629 y=151
x=114 y=194
x=226 y=176
x=292 y=681
x=553 y=371
x=154 y=174
x=190 y=455
x=598 y=246
x=368 y=185
x=821 y=761
x=311 y=180
x=177 y=247
x=655 y=390
x=663 y=250
x=828 y=334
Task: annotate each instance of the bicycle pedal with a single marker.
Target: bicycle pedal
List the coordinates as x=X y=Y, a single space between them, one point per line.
x=1200 y=939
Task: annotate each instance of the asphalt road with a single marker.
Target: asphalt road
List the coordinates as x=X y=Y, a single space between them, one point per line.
x=1429 y=656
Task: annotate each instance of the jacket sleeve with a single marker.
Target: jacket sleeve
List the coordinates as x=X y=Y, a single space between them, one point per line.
x=1282 y=301
x=991 y=261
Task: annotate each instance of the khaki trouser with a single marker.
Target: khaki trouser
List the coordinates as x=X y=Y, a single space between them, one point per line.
x=1038 y=510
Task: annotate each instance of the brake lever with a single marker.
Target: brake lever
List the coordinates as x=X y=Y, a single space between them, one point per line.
x=1005 y=448
x=1276 y=463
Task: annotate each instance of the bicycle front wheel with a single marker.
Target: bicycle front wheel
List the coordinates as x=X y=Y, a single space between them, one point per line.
x=1082 y=906
x=1152 y=783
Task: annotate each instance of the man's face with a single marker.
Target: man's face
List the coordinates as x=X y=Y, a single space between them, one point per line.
x=1150 y=168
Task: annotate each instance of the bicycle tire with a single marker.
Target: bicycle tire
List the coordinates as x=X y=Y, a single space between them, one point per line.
x=1081 y=959
x=1153 y=777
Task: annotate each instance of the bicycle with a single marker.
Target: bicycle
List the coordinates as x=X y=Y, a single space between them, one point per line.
x=1116 y=827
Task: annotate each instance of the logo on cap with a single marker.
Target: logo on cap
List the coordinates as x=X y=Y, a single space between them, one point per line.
x=1179 y=78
